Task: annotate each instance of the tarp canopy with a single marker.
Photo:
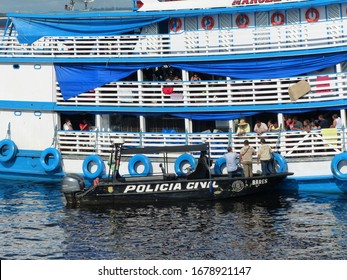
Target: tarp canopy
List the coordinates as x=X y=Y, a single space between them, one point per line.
x=77 y=78
x=31 y=29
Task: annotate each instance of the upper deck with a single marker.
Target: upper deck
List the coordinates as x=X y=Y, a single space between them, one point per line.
x=211 y=34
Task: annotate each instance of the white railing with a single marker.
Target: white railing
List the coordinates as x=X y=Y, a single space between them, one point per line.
x=210 y=93
x=245 y=41
x=291 y=144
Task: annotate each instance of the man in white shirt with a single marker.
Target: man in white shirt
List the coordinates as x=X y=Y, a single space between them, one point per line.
x=231 y=162
x=260 y=127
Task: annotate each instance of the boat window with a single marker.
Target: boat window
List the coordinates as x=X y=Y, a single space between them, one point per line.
x=163 y=73
x=124 y=123
x=204 y=126
x=163 y=27
x=165 y=124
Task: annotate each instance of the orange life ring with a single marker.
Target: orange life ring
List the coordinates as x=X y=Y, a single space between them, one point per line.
x=277 y=19
x=175 y=24
x=312 y=11
x=207 y=22
x=242 y=21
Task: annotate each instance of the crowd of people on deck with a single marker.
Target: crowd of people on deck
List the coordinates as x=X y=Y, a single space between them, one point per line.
x=264 y=154
x=291 y=123
x=84 y=125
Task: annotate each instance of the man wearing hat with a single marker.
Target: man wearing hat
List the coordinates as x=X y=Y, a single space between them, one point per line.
x=243 y=128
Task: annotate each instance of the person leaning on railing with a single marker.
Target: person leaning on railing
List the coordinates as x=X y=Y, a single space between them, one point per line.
x=243 y=128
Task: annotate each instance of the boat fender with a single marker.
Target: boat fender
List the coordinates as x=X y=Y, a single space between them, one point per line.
x=336 y=164
x=281 y=163
x=175 y=24
x=207 y=22
x=50 y=159
x=148 y=168
x=181 y=161
x=314 y=12
x=8 y=150
x=89 y=164
x=242 y=21
x=219 y=165
x=277 y=19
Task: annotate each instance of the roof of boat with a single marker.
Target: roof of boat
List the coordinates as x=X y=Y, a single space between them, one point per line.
x=163 y=9
x=166 y=149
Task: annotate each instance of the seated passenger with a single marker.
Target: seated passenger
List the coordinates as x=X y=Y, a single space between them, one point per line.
x=275 y=127
x=297 y=124
x=243 y=128
x=260 y=127
x=231 y=162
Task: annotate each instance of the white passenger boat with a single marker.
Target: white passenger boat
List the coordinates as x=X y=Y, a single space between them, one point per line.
x=128 y=74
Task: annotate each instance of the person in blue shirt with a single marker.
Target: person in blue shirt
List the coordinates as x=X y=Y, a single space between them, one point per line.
x=232 y=163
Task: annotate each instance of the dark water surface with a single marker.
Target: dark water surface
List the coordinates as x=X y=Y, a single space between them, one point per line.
x=36 y=224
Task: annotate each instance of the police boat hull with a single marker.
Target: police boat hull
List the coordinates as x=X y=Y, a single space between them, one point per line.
x=174 y=189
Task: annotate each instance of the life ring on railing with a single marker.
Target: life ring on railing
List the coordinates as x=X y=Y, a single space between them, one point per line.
x=135 y=160
x=277 y=19
x=314 y=12
x=8 y=150
x=242 y=21
x=89 y=164
x=336 y=164
x=207 y=22
x=281 y=163
x=50 y=159
x=181 y=161
x=175 y=24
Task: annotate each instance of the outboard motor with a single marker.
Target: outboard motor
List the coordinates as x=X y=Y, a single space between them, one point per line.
x=72 y=183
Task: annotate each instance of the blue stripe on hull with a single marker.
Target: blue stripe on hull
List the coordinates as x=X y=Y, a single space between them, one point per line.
x=319 y=184
x=27 y=166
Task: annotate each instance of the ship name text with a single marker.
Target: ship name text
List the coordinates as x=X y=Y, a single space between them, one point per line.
x=257 y=182
x=252 y=2
x=164 y=187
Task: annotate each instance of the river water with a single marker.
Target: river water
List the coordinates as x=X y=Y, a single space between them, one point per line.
x=36 y=224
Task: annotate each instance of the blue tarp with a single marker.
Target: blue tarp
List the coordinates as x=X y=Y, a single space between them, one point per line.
x=77 y=78
x=31 y=29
